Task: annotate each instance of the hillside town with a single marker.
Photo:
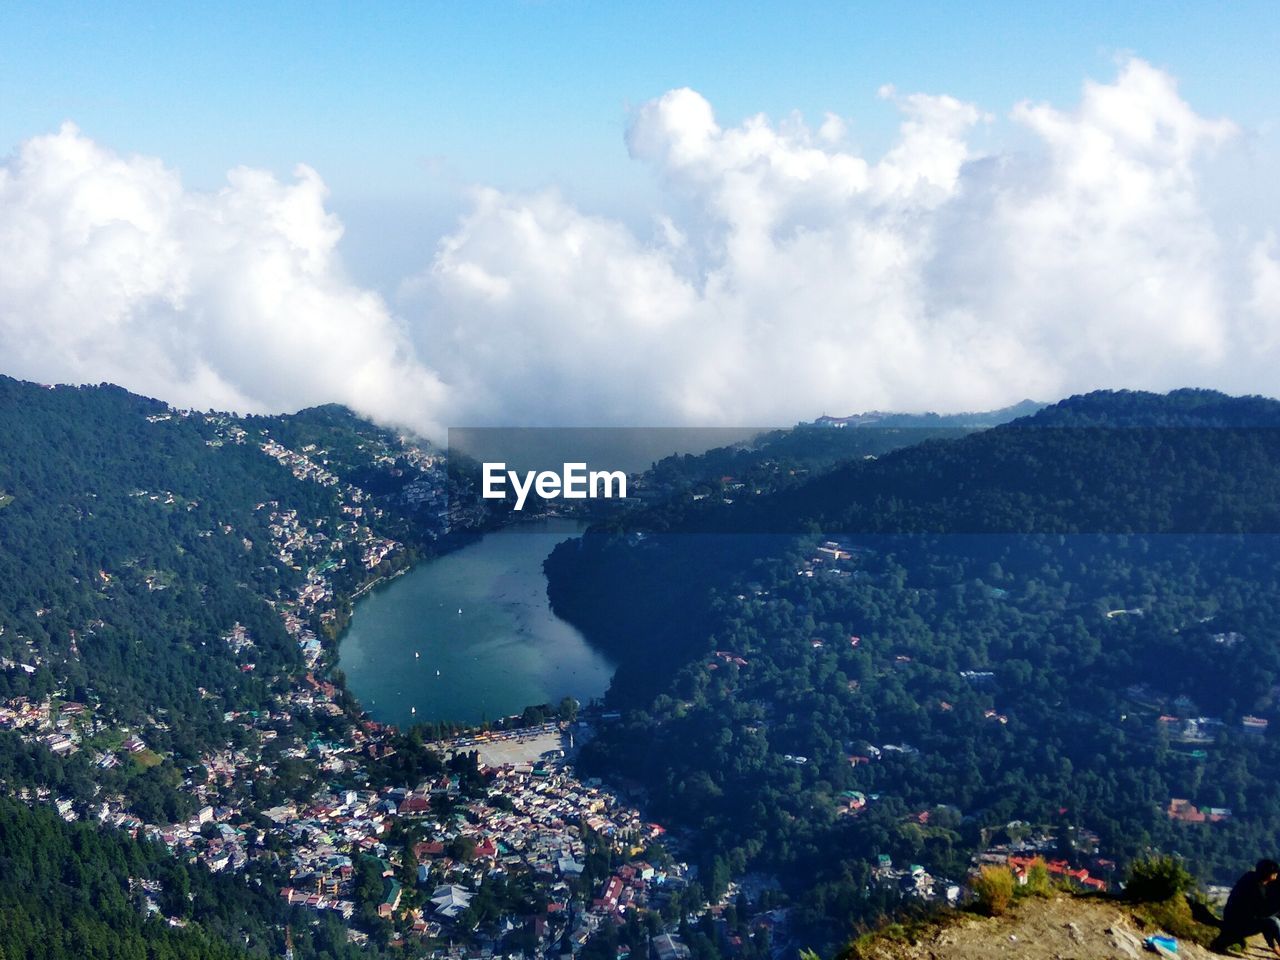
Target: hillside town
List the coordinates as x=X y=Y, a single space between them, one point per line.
x=436 y=846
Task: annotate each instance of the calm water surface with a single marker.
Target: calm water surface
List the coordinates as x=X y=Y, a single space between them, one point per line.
x=470 y=636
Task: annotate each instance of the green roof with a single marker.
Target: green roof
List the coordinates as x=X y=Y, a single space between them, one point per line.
x=393 y=890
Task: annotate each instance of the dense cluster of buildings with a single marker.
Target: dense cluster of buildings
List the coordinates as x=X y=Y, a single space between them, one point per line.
x=532 y=822
x=1087 y=870
x=53 y=723
x=912 y=881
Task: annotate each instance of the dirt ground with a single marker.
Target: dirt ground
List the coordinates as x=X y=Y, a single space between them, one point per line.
x=1062 y=928
x=522 y=750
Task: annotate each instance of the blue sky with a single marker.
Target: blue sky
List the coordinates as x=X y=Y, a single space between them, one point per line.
x=1119 y=235
x=404 y=100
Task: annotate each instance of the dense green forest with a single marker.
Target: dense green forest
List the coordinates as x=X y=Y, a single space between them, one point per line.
x=76 y=890
x=71 y=891
x=678 y=490
x=1008 y=617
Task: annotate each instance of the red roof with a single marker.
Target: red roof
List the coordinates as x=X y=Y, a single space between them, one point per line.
x=423 y=850
x=415 y=804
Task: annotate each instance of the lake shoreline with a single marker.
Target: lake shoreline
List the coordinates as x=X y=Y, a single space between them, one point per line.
x=503 y=650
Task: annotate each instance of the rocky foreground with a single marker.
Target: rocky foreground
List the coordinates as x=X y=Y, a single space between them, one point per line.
x=1060 y=928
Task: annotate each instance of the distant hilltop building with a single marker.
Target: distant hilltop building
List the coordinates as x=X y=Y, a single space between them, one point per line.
x=857 y=420
x=970 y=420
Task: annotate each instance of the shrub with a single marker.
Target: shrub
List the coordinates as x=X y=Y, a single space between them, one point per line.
x=1175 y=916
x=1156 y=879
x=993 y=890
x=1038 y=882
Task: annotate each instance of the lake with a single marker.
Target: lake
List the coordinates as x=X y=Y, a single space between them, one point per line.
x=470 y=636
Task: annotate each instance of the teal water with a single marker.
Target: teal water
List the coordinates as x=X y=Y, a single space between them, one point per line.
x=503 y=651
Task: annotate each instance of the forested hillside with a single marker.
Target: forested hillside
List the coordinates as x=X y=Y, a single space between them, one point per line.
x=779 y=459
x=172 y=581
x=134 y=538
x=71 y=891
x=1069 y=620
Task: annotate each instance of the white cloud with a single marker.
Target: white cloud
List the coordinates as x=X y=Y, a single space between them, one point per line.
x=788 y=275
x=1109 y=253
x=536 y=310
x=822 y=280
x=111 y=270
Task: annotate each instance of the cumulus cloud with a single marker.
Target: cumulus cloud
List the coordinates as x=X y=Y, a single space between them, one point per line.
x=806 y=277
x=787 y=275
x=111 y=271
